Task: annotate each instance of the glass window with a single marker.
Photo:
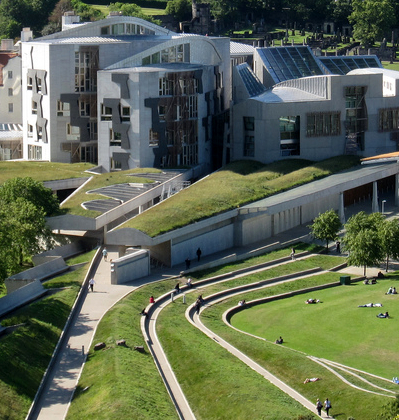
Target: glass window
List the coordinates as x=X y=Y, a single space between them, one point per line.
x=153 y=138
x=10 y=74
x=10 y=107
x=10 y=92
x=34 y=107
x=125 y=113
x=106 y=113
x=115 y=138
x=249 y=123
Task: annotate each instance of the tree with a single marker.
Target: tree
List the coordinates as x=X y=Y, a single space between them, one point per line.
x=32 y=191
x=326 y=226
x=131 y=9
x=389 y=239
x=24 y=204
x=372 y=19
x=181 y=10
x=362 y=239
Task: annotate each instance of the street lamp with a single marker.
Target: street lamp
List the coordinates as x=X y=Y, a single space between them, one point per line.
x=382 y=206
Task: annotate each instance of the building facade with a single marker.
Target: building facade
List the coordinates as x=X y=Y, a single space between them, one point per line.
x=319 y=117
x=92 y=93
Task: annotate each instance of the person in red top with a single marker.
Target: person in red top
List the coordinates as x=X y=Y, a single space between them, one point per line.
x=152 y=300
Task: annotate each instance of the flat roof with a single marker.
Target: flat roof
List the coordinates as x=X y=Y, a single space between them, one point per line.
x=333 y=184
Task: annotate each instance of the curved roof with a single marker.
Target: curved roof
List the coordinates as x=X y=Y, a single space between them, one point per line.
x=386 y=72
x=94 y=28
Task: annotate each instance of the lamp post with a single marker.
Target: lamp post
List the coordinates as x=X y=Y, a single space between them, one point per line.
x=383 y=206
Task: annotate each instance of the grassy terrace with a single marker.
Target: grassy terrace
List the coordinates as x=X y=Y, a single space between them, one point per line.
x=233 y=186
x=43 y=171
x=73 y=205
x=125 y=383
x=26 y=352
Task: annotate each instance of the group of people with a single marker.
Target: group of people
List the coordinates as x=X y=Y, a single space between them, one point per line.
x=188 y=261
x=319 y=405
x=198 y=303
x=307 y=301
x=392 y=291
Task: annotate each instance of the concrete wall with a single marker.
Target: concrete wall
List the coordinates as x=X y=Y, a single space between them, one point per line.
x=22 y=296
x=130 y=267
x=210 y=242
x=53 y=266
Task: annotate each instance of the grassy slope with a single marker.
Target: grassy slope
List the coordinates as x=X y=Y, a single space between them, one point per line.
x=43 y=171
x=233 y=186
x=25 y=353
x=217 y=385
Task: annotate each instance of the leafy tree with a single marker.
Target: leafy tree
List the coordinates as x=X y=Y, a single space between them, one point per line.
x=130 y=9
x=389 y=239
x=371 y=19
x=326 y=226
x=181 y=10
x=24 y=203
x=362 y=239
x=30 y=190
x=341 y=9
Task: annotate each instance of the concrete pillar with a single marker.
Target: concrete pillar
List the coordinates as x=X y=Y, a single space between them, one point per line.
x=397 y=190
x=374 y=207
x=105 y=230
x=341 y=211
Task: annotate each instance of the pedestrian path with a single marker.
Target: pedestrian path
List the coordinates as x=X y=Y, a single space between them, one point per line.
x=63 y=378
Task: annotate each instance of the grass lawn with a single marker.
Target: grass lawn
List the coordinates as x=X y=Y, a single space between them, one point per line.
x=43 y=171
x=26 y=352
x=335 y=329
x=233 y=186
x=388 y=65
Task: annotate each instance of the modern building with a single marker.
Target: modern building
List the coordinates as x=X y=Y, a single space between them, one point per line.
x=123 y=93
x=313 y=108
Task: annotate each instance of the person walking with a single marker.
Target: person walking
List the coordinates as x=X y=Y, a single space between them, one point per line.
x=319 y=406
x=91 y=284
x=292 y=253
x=188 y=262
x=327 y=406
x=105 y=254
x=199 y=252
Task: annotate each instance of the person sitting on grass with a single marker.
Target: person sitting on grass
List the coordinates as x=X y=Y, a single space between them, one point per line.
x=381 y=315
x=394 y=292
x=307 y=380
x=280 y=340
x=389 y=292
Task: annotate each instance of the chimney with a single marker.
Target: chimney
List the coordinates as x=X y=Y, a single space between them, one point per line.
x=7 y=45
x=26 y=35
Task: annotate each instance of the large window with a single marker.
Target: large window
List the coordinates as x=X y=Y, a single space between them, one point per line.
x=168 y=55
x=63 y=109
x=34 y=107
x=356 y=121
x=323 y=124
x=34 y=152
x=86 y=66
x=290 y=135
x=388 y=119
